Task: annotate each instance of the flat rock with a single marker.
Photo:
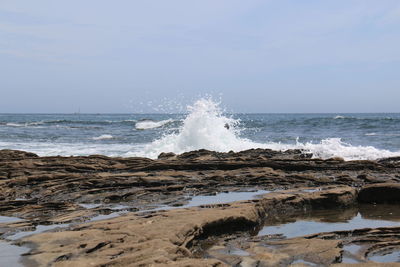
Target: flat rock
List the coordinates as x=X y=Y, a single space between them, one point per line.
x=70 y=191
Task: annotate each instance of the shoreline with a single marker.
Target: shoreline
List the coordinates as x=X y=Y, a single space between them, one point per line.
x=54 y=191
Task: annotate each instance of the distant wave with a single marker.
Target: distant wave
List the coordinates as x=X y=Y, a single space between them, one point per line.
x=103 y=137
x=23 y=124
x=15 y=124
x=339 y=117
x=58 y=122
x=150 y=124
x=68 y=123
x=85 y=122
x=382 y=134
x=350 y=118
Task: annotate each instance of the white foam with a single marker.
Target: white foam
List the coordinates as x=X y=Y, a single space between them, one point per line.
x=75 y=149
x=103 y=137
x=204 y=128
x=370 y=134
x=335 y=147
x=27 y=124
x=15 y=124
x=339 y=117
x=150 y=124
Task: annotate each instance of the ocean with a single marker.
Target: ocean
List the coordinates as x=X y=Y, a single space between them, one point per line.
x=205 y=125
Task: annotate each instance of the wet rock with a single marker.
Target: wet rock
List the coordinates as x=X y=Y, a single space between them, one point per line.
x=48 y=190
x=166 y=155
x=380 y=193
x=16 y=154
x=142 y=240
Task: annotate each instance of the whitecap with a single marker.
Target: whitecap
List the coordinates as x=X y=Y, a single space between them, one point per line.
x=150 y=124
x=339 y=117
x=103 y=137
x=26 y=124
x=11 y=124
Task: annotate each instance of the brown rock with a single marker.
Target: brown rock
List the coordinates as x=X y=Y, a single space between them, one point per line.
x=380 y=193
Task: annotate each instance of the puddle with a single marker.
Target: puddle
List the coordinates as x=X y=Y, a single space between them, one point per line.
x=393 y=256
x=350 y=253
x=217 y=252
x=108 y=216
x=307 y=263
x=310 y=190
x=220 y=198
x=93 y=206
x=348 y=259
x=6 y=219
x=238 y=252
x=337 y=220
x=353 y=249
x=89 y=206
x=10 y=255
x=43 y=228
x=120 y=207
x=39 y=229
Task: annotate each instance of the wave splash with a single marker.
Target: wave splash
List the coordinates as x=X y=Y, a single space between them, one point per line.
x=206 y=127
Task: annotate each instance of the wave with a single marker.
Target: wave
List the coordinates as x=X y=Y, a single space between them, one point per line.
x=339 y=117
x=74 y=149
x=15 y=124
x=68 y=123
x=58 y=122
x=352 y=118
x=205 y=128
x=103 y=137
x=150 y=124
x=382 y=134
x=24 y=124
x=335 y=147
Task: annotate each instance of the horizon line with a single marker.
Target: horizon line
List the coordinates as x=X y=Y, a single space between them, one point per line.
x=181 y=113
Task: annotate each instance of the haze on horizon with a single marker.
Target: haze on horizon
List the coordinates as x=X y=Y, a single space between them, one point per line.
x=100 y=56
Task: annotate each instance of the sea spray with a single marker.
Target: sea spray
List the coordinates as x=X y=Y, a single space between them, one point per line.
x=205 y=127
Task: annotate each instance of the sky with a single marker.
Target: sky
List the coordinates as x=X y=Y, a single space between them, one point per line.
x=128 y=56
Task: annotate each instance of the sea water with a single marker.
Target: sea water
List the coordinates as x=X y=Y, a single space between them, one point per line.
x=204 y=126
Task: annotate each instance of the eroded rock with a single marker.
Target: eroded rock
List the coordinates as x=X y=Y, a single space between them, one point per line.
x=72 y=190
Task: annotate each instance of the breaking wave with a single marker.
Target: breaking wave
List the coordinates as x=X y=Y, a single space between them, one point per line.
x=338 y=117
x=206 y=127
x=150 y=124
x=103 y=137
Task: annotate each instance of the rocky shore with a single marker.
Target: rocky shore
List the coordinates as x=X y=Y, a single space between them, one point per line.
x=102 y=211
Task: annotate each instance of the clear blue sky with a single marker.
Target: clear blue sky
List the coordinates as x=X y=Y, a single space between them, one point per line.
x=262 y=56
